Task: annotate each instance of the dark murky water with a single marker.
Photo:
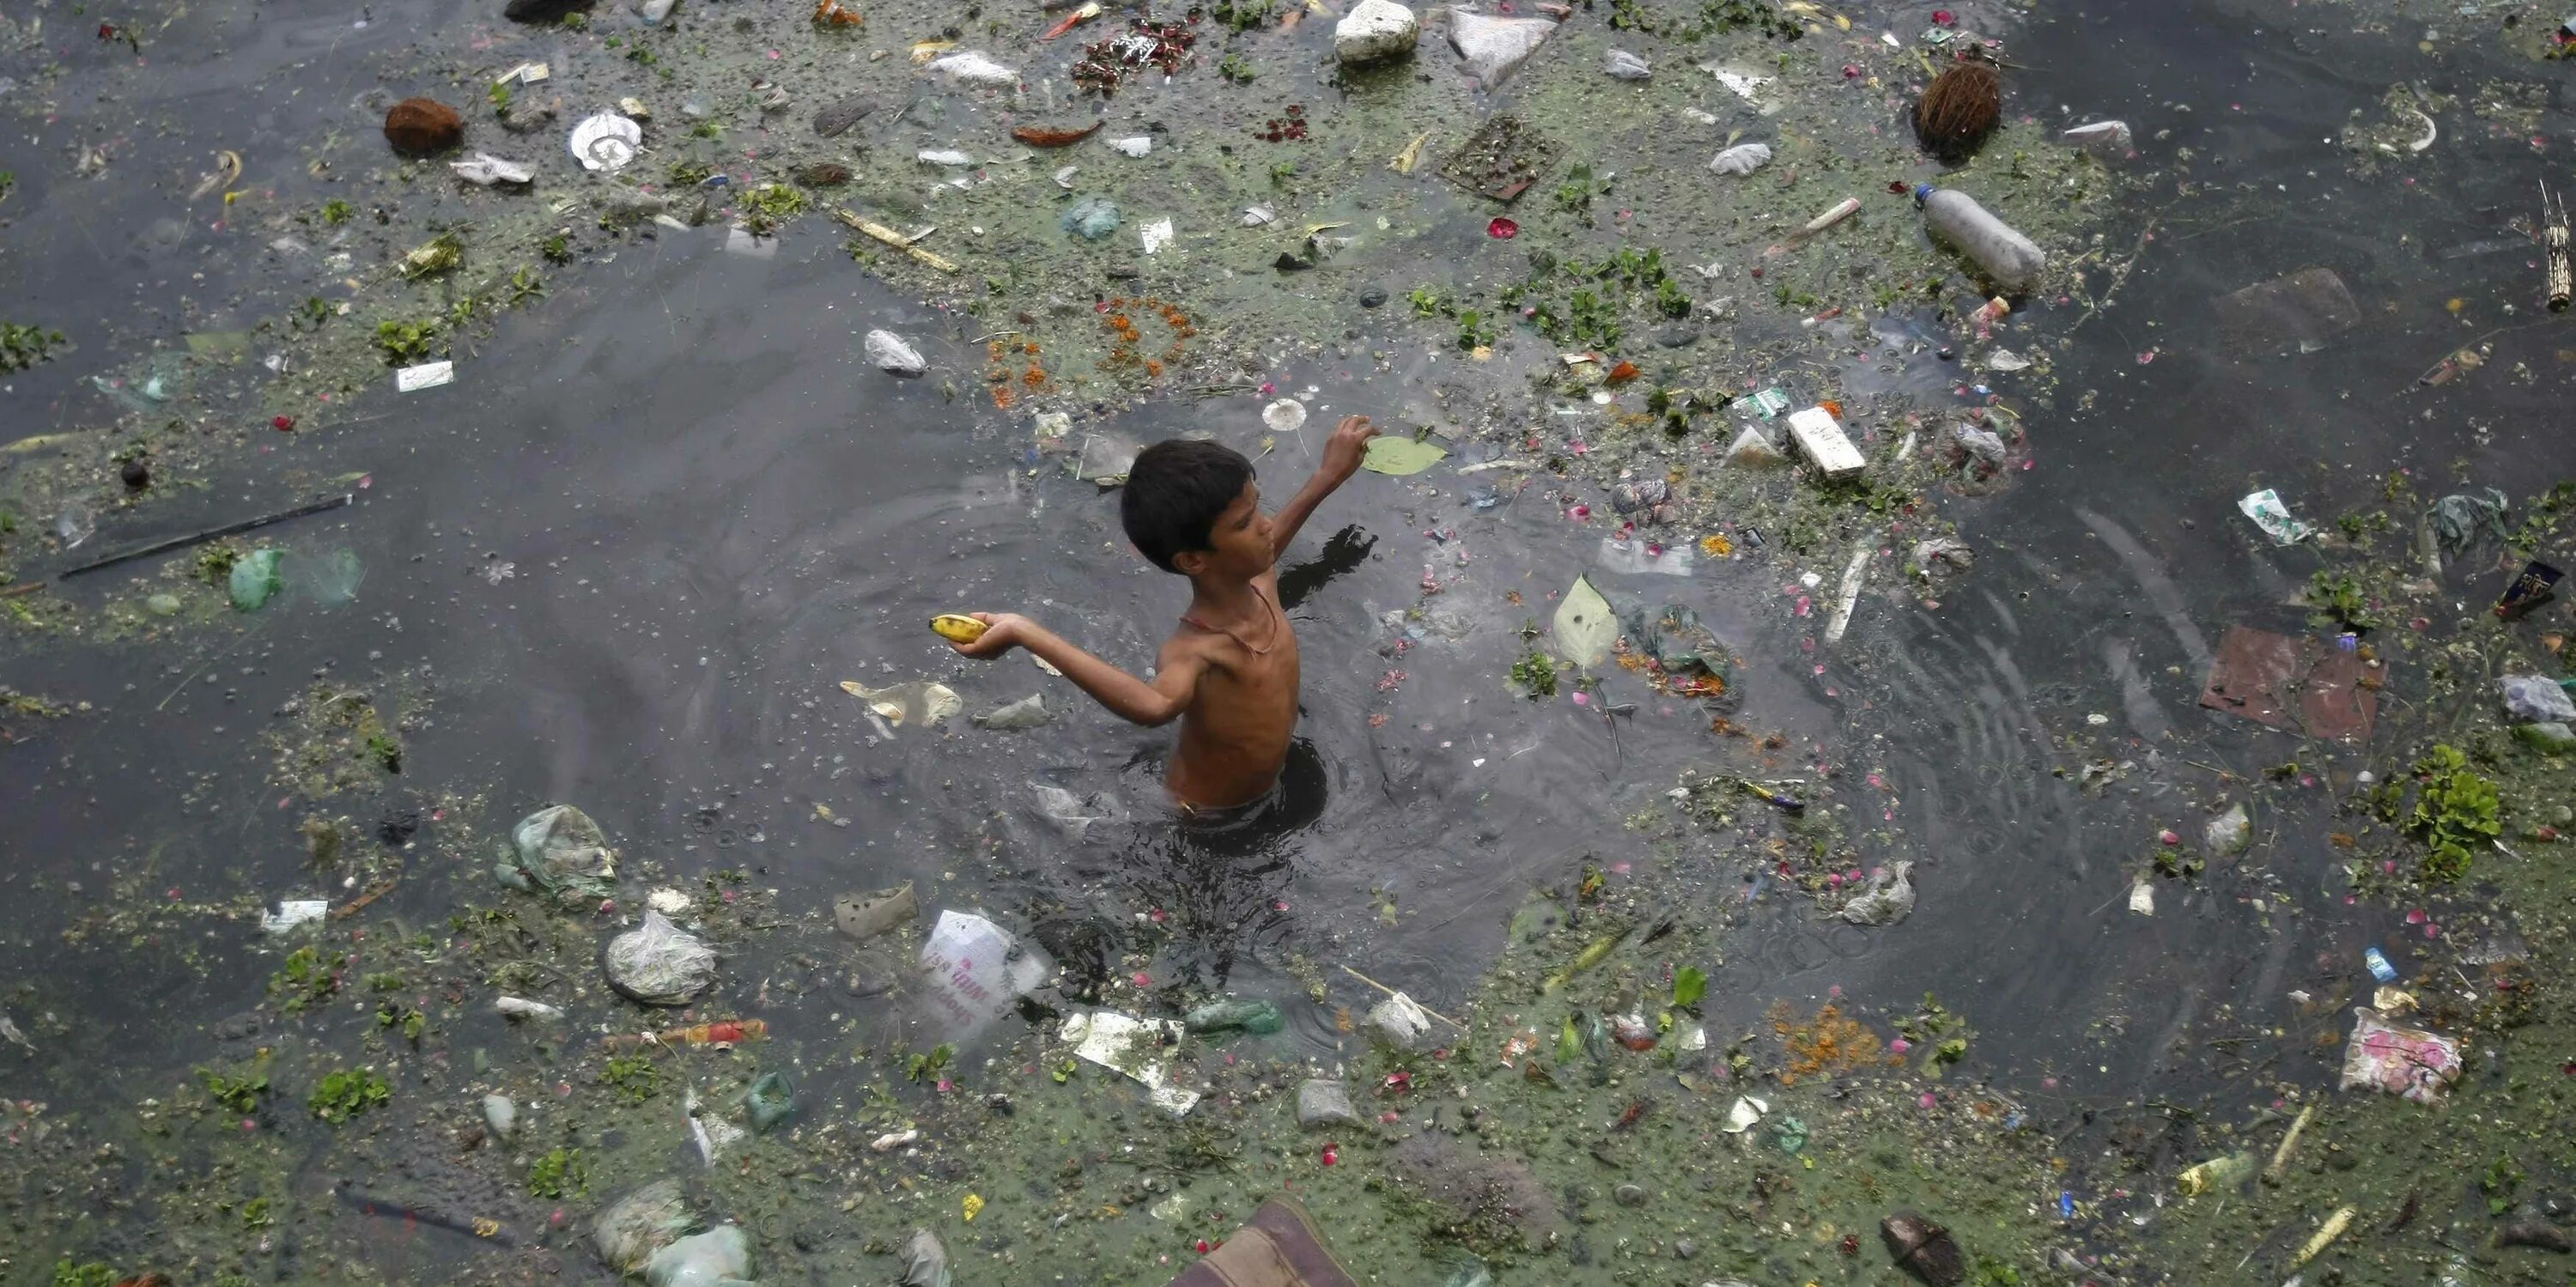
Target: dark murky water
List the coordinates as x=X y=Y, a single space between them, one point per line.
x=629 y=560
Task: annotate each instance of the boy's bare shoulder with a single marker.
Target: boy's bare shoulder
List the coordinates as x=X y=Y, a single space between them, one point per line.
x=1192 y=644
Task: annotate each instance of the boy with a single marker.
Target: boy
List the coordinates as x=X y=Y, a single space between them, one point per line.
x=1229 y=673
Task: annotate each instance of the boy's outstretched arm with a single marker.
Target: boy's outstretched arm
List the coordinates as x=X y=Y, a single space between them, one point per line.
x=1176 y=680
x=1342 y=454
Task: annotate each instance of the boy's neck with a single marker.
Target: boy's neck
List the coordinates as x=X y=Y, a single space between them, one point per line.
x=1227 y=598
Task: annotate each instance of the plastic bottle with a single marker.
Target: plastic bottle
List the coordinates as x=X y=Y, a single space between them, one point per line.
x=2380 y=969
x=2006 y=255
x=1259 y=1017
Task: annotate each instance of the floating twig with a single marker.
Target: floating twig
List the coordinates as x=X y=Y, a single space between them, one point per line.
x=200 y=538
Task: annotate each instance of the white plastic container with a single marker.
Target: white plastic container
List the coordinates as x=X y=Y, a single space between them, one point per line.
x=2006 y=255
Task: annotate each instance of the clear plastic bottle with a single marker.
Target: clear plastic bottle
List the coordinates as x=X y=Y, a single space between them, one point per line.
x=2006 y=255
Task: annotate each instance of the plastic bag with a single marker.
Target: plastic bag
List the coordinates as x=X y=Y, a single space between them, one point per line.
x=1743 y=158
x=1400 y=1020
x=925 y=1262
x=559 y=849
x=658 y=963
x=1091 y=218
x=2229 y=832
x=1980 y=443
x=974 y=67
x=255 y=579
x=894 y=355
x=329 y=579
x=633 y=1227
x=1026 y=713
x=2459 y=518
x=720 y=1255
x=2534 y=699
x=769 y=1101
x=1889 y=897
x=1625 y=65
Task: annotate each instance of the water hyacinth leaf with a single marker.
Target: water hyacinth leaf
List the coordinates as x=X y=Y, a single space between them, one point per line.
x=1690 y=983
x=1401 y=456
x=1585 y=627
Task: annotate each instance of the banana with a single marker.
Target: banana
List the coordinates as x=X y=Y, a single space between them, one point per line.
x=963 y=630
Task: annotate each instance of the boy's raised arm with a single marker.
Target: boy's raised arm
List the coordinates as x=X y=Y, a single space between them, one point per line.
x=1342 y=454
x=1176 y=680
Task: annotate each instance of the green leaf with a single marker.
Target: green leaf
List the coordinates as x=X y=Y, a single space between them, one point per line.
x=1585 y=627
x=1690 y=983
x=1569 y=1043
x=1400 y=456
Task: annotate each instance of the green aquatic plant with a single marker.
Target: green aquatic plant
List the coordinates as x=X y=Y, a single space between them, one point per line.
x=305 y=980
x=1535 y=674
x=2456 y=813
x=24 y=346
x=348 y=1093
x=560 y=1173
x=238 y=1094
x=407 y=341
x=633 y=1076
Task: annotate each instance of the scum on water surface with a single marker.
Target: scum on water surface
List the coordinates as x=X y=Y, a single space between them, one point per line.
x=328 y=1110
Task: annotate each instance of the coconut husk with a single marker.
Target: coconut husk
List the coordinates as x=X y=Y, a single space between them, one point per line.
x=1958 y=110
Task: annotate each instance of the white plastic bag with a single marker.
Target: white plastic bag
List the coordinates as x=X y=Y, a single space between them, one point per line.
x=658 y=963
x=894 y=355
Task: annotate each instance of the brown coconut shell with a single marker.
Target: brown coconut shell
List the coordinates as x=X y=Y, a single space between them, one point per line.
x=422 y=126
x=1958 y=110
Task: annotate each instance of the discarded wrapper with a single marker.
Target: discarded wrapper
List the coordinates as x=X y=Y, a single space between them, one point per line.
x=2528 y=591
x=606 y=142
x=2407 y=1062
x=486 y=169
x=976 y=970
x=428 y=375
x=1746 y=1111
x=292 y=912
x=2268 y=513
x=1128 y=1044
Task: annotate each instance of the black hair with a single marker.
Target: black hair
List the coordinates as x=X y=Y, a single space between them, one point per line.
x=1174 y=493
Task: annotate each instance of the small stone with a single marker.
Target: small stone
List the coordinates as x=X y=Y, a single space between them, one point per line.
x=136 y=474
x=1372 y=297
x=1375 y=30
x=421 y=126
x=1677 y=337
x=1124 y=272
x=1685 y=1250
x=1629 y=1195
x=823 y=174
x=1324 y=1101
x=164 y=604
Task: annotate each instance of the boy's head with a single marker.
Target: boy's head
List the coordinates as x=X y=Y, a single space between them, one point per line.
x=1191 y=507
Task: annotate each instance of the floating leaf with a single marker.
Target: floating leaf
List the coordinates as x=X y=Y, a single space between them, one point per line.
x=1585 y=627
x=1690 y=983
x=1569 y=1043
x=1400 y=456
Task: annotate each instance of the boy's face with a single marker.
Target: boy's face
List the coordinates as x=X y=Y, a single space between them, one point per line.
x=1238 y=542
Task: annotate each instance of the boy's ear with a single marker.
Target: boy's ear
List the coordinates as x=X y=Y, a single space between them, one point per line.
x=1191 y=562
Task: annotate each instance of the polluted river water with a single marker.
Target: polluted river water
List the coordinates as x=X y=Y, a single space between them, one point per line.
x=668 y=527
